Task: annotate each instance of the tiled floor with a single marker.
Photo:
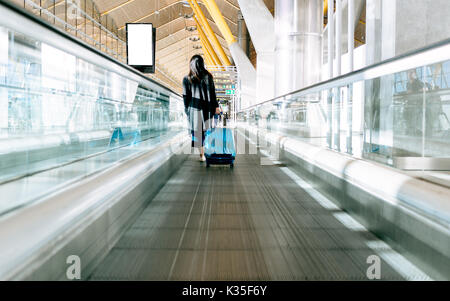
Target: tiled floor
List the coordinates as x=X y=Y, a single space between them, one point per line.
x=252 y=222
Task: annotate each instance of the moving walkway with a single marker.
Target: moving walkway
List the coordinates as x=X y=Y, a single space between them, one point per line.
x=97 y=163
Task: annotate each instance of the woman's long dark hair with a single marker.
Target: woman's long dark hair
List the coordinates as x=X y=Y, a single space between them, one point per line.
x=197 y=68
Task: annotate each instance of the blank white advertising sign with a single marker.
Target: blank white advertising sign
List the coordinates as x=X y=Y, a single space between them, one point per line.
x=140 y=44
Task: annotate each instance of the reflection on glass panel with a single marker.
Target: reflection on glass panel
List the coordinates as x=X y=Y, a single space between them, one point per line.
x=421 y=113
x=81 y=19
x=56 y=108
x=392 y=119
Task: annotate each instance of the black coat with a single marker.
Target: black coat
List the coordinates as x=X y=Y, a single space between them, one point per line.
x=200 y=102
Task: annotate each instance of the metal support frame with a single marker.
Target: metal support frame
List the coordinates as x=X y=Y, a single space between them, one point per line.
x=166 y=7
x=213 y=55
x=214 y=41
x=206 y=54
x=215 y=13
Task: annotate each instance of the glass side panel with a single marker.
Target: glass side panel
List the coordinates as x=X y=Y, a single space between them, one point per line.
x=400 y=119
x=56 y=108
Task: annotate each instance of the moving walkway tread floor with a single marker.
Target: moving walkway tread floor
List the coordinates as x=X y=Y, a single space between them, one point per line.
x=252 y=222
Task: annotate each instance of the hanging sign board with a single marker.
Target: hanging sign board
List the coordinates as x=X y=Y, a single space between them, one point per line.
x=141 y=41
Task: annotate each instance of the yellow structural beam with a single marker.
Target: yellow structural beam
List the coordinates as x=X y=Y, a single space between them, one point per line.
x=207 y=53
x=204 y=22
x=168 y=6
x=219 y=20
x=208 y=45
x=208 y=59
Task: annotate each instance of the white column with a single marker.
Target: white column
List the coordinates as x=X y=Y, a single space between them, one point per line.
x=337 y=98
x=260 y=25
x=338 y=35
x=330 y=26
x=247 y=74
x=350 y=46
x=298 y=41
x=351 y=33
x=3 y=76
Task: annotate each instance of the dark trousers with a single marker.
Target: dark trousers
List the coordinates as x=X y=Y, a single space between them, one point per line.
x=198 y=138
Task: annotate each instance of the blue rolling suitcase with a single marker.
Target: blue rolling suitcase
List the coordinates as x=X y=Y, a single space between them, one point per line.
x=219 y=146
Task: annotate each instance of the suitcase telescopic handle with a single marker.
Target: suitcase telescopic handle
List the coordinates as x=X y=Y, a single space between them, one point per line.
x=224 y=140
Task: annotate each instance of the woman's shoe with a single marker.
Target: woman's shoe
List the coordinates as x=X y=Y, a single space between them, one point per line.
x=203 y=158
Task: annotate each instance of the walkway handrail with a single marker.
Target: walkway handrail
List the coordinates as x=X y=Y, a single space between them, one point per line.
x=427 y=55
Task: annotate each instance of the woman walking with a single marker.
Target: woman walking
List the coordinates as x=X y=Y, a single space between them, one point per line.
x=200 y=103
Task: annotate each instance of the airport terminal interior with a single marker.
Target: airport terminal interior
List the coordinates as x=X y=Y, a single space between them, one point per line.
x=333 y=127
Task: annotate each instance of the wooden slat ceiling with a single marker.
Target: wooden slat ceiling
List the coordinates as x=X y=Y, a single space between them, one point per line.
x=173 y=47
